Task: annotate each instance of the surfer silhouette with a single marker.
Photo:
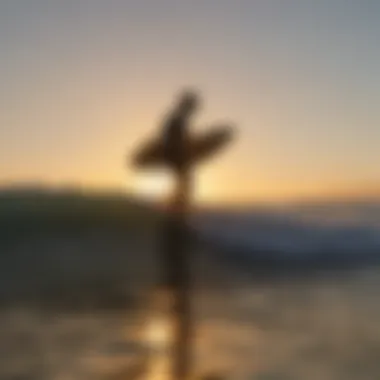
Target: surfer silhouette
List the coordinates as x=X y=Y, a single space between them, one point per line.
x=180 y=151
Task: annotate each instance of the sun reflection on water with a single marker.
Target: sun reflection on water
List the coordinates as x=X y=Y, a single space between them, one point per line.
x=159 y=338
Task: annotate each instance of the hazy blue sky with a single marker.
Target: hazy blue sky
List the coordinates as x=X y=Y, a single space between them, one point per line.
x=83 y=80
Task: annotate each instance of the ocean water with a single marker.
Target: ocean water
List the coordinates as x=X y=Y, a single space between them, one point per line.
x=317 y=327
x=300 y=229
x=321 y=325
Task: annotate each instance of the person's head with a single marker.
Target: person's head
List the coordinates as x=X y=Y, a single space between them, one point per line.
x=188 y=103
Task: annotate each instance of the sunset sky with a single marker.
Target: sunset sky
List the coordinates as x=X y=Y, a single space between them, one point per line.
x=82 y=81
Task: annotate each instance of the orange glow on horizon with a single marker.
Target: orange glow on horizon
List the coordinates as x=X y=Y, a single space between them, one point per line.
x=157 y=186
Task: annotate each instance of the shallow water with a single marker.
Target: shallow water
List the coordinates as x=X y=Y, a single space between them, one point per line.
x=320 y=328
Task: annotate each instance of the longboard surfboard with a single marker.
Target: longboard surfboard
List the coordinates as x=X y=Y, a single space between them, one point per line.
x=199 y=148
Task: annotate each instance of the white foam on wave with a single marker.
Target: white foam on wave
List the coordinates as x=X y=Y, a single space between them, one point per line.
x=298 y=229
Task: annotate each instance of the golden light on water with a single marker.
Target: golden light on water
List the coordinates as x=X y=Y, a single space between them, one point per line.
x=159 y=339
x=158 y=333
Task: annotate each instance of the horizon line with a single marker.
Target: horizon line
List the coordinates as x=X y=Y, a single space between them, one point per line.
x=341 y=197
